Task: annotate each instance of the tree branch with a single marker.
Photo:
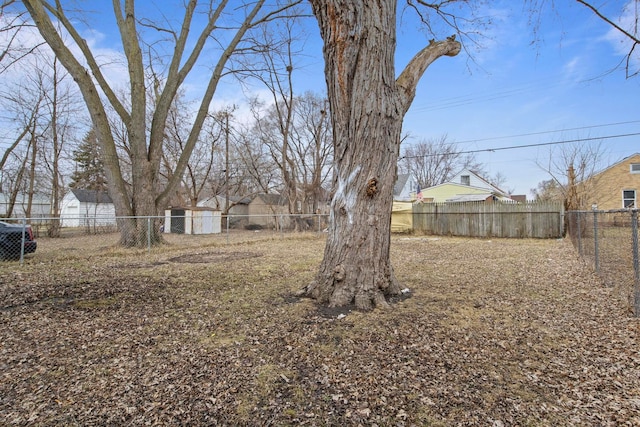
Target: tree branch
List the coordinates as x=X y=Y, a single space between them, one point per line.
x=87 y=54
x=634 y=38
x=206 y=100
x=410 y=76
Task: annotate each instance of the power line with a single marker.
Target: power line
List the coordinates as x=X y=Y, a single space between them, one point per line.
x=546 y=132
x=542 y=84
x=513 y=147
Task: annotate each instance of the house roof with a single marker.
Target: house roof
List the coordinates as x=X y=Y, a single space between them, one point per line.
x=487 y=184
x=272 y=199
x=626 y=159
x=91 y=196
x=455 y=184
x=400 y=183
x=239 y=200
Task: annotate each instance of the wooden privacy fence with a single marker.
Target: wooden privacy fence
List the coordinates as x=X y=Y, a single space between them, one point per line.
x=480 y=219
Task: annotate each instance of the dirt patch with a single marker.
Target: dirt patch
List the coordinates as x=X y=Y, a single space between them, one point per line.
x=335 y=312
x=207 y=257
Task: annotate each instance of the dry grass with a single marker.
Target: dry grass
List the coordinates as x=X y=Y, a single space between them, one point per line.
x=502 y=332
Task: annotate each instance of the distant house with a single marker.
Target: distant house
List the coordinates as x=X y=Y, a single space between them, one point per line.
x=266 y=210
x=87 y=208
x=237 y=205
x=40 y=205
x=466 y=186
x=406 y=188
x=616 y=187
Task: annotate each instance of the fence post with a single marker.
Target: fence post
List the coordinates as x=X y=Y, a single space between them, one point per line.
x=149 y=235
x=281 y=221
x=24 y=236
x=636 y=267
x=595 y=239
x=579 y=227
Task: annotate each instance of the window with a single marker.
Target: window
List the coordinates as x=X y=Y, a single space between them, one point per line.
x=465 y=180
x=635 y=168
x=629 y=198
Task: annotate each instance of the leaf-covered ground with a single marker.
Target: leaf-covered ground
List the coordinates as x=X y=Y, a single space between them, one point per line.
x=494 y=333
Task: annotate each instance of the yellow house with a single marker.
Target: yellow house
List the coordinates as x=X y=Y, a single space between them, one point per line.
x=449 y=191
x=616 y=187
x=466 y=186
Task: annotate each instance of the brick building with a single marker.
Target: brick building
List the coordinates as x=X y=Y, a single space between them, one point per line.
x=616 y=187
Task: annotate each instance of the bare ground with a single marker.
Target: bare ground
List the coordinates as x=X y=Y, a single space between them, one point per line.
x=495 y=333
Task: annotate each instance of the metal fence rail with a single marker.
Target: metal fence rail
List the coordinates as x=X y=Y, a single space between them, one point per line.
x=609 y=241
x=58 y=236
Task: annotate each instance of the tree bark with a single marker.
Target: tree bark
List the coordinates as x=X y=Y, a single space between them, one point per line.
x=367 y=108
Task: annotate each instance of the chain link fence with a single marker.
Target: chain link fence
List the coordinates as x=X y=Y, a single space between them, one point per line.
x=46 y=238
x=608 y=240
x=16 y=240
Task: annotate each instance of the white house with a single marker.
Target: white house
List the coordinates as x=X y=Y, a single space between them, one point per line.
x=80 y=208
x=405 y=188
x=40 y=205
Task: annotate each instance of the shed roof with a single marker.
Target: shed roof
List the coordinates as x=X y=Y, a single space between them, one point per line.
x=91 y=196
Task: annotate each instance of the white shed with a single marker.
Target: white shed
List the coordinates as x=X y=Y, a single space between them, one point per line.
x=80 y=208
x=192 y=220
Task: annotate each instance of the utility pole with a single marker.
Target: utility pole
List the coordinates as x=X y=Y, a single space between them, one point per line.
x=226 y=164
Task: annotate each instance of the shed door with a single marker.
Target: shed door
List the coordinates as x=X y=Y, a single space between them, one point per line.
x=177 y=221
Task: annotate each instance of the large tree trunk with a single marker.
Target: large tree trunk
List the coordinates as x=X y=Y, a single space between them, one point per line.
x=367 y=108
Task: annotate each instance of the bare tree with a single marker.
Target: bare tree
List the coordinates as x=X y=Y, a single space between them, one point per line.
x=25 y=101
x=12 y=25
x=368 y=102
x=274 y=125
x=21 y=177
x=45 y=108
x=64 y=111
x=572 y=168
x=499 y=180
x=257 y=170
x=304 y=157
x=435 y=161
x=207 y=152
x=147 y=70
x=547 y=190
x=312 y=149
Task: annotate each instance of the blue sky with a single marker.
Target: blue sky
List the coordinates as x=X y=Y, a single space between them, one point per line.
x=514 y=92
x=511 y=91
